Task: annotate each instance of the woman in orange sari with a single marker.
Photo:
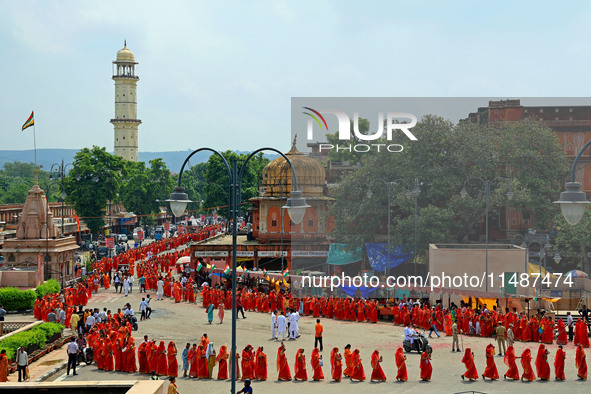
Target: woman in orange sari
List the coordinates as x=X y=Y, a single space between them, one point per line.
x=261 y=364
x=400 y=358
x=528 y=373
x=561 y=339
x=107 y=355
x=377 y=374
x=348 y=361
x=3 y=366
x=176 y=291
x=222 y=360
x=336 y=365
x=129 y=357
x=581 y=363
x=468 y=361
x=202 y=368
x=542 y=366
x=153 y=356
x=426 y=367
x=282 y=364
x=510 y=362
x=447 y=323
x=246 y=363
x=491 y=368
x=358 y=373
x=559 y=364
x=173 y=364
x=300 y=372
x=162 y=366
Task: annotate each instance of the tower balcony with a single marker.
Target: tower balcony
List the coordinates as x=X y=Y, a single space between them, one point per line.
x=134 y=77
x=123 y=120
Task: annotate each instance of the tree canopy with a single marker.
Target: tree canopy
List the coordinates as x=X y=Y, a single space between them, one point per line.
x=524 y=157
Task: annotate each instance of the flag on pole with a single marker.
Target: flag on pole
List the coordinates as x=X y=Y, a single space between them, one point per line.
x=30 y=122
x=244 y=271
x=285 y=272
x=199 y=266
x=264 y=272
x=227 y=270
x=535 y=294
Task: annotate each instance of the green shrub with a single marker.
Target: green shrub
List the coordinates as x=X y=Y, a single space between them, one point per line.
x=14 y=299
x=49 y=287
x=37 y=335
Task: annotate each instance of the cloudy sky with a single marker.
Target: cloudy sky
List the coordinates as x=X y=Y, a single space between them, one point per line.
x=222 y=73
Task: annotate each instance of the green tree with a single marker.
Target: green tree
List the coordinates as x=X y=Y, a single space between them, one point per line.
x=344 y=155
x=525 y=157
x=94 y=180
x=143 y=186
x=194 y=181
x=573 y=244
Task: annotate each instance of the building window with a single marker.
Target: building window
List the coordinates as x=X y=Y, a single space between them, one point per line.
x=310 y=222
x=513 y=221
x=541 y=110
x=525 y=110
x=274 y=223
x=570 y=110
x=556 y=110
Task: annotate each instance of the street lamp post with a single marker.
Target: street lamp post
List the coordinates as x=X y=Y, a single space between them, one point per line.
x=48 y=270
x=60 y=170
x=486 y=189
x=296 y=207
x=573 y=201
x=410 y=192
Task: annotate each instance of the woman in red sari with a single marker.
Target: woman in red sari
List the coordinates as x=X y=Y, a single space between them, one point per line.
x=426 y=367
x=107 y=355
x=300 y=372
x=315 y=362
x=282 y=364
x=581 y=334
x=510 y=361
x=129 y=356
x=377 y=374
x=402 y=375
x=222 y=360
x=246 y=363
x=528 y=373
x=561 y=339
x=193 y=357
x=261 y=364
x=358 y=372
x=336 y=365
x=162 y=366
x=177 y=291
x=491 y=368
x=547 y=327
x=348 y=361
x=581 y=363
x=468 y=361
x=542 y=366
x=559 y=364
x=153 y=356
x=202 y=368
x=173 y=364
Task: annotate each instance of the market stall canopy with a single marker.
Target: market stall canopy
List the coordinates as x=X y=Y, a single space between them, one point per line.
x=533 y=268
x=380 y=258
x=184 y=260
x=577 y=274
x=338 y=255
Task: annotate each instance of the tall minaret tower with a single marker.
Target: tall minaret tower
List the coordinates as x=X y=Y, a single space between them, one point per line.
x=126 y=121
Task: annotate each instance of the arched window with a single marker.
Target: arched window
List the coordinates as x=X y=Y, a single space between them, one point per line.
x=274 y=220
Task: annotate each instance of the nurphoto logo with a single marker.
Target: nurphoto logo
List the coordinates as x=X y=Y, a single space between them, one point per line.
x=393 y=121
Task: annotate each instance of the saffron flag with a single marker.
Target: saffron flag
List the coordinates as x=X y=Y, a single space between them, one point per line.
x=285 y=272
x=227 y=270
x=30 y=122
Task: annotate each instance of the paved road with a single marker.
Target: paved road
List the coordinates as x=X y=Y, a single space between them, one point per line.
x=186 y=323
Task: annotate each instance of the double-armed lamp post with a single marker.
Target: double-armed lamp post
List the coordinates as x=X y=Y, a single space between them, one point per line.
x=296 y=207
x=573 y=201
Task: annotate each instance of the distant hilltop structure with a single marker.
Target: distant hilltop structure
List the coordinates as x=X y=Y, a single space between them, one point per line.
x=125 y=122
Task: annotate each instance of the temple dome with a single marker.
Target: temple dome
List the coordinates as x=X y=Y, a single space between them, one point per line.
x=310 y=173
x=125 y=55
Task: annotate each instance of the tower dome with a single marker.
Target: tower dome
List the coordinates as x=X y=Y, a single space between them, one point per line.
x=277 y=177
x=125 y=55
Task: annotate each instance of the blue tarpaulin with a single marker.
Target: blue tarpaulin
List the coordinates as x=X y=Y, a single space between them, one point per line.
x=365 y=291
x=338 y=255
x=378 y=256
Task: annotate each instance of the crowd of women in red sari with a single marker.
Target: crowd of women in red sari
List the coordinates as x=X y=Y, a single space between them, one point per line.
x=541 y=364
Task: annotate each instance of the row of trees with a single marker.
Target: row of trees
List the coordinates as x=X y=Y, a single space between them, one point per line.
x=524 y=157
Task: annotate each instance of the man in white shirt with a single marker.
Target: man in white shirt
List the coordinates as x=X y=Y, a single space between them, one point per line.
x=22 y=361
x=90 y=321
x=410 y=334
x=160 y=292
x=130 y=283
x=281 y=325
x=294 y=317
x=72 y=351
x=143 y=309
x=273 y=325
x=571 y=326
x=125 y=285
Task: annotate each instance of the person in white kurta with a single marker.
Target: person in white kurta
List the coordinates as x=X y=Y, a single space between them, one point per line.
x=281 y=326
x=126 y=286
x=160 y=291
x=293 y=325
x=273 y=325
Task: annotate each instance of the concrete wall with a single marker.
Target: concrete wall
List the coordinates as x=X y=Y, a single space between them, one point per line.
x=460 y=260
x=18 y=279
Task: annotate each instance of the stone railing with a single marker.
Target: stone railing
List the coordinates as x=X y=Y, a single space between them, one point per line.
x=11 y=327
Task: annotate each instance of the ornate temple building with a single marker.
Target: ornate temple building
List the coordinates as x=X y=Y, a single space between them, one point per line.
x=39 y=251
